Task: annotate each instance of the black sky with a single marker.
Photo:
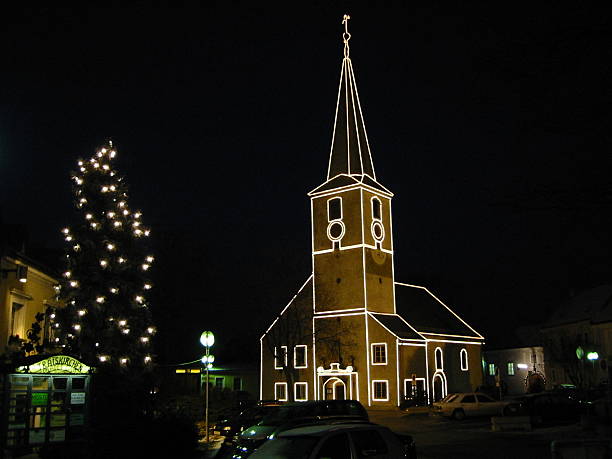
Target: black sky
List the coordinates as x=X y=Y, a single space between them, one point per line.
x=490 y=124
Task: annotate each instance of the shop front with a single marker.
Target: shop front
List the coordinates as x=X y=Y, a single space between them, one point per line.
x=45 y=402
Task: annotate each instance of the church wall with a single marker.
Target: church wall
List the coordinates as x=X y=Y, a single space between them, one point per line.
x=412 y=363
x=339 y=280
x=378 y=334
x=457 y=379
x=379 y=281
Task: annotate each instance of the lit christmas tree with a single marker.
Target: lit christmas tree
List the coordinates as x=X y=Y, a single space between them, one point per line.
x=106 y=320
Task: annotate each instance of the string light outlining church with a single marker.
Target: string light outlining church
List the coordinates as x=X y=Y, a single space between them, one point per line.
x=352 y=331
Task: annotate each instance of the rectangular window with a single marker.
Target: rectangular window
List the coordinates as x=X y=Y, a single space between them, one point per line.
x=492 y=369
x=280 y=357
x=380 y=391
x=334 y=209
x=237 y=383
x=280 y=391
x=17 y=320
x=299 y=356
x=510 y=368
x=300 y=391
x=379 y=353
x=219 y=383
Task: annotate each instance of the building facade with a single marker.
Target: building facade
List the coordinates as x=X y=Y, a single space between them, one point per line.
x=515 y=369
x=353 y=331
x=26 y=289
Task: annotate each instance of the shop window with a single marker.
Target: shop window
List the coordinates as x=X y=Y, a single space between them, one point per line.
x=379 y=353
x=491 y=369
x=510 y=368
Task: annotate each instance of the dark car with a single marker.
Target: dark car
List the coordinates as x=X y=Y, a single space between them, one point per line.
x=292 y=415
x=231 y=426
x=338 y=440
x=549 y=407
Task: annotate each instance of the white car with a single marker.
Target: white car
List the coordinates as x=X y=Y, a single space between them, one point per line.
x=458 y=406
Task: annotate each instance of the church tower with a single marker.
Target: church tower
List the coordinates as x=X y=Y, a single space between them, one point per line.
x=352 y=243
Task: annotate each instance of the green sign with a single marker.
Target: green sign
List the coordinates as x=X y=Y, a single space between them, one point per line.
x=40 y=398
x=56 y=364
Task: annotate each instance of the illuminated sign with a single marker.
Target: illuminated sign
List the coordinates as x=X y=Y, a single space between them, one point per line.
x=57 y=364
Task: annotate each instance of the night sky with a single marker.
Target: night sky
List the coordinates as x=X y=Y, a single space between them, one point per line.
x=490 y=124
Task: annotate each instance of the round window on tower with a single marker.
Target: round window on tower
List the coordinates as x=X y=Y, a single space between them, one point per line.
x=335 y=230
x=378 y=232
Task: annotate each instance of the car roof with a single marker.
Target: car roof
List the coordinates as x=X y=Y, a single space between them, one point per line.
x=318 y=430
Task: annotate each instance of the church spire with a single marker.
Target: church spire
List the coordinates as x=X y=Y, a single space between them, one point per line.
x=350 y=150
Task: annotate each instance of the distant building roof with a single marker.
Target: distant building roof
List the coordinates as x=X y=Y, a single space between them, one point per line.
x=427 y=314
x=593 y=305
x=398 y=326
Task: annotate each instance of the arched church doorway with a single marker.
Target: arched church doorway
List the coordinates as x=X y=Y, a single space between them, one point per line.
x=334 y=389
x=438 y=386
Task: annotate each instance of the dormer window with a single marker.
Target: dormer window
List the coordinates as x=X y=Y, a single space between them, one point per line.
x=376 y=209
x=334 y=209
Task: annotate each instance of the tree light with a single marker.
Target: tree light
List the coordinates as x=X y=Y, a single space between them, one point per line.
x=82 y=312
x=100 y=299
x=65 y=231
x=150 y=259
x=147 y=359
x=74 y=283
x=103 y=263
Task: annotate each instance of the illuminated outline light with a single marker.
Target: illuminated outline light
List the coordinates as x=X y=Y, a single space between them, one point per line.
x=463 y=358
x=277 y=386
x=386 y=385
x=439 y=374
x=336 y=371
x=276 y=366
x=441 y=367
x=295 y=392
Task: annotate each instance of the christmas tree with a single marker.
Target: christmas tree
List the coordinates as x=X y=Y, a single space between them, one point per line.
x=106 y=319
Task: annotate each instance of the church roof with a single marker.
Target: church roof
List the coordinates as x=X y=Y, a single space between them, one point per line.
x=398 y=326
x=427 y=314
x=345 y=181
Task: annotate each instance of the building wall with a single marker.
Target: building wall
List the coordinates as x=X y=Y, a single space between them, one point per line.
x=521 y=361
x=34 y=295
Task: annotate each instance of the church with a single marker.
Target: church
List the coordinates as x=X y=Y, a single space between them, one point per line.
x=352 y=331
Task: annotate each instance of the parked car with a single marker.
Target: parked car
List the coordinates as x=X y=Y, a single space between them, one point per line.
x=292 y=415
x=460 y=405
x=231 y=426
x=550 y=406
x=342 y=440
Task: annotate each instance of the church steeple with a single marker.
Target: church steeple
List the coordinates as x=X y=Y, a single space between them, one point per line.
x=350 y=159
x=350 y=150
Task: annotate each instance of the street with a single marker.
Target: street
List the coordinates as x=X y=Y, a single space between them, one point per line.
x=438 y=438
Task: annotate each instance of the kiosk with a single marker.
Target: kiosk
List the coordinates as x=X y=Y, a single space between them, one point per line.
x=45 y=401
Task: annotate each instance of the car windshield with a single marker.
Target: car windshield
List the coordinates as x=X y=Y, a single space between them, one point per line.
x=449 y=398
x=287 y=448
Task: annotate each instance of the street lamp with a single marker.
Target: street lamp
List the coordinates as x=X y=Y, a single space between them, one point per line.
x=207 y=339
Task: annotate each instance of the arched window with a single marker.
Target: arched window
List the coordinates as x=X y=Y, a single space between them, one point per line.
x=463 y=357
x=376 y=209
x=439 y=361
x=334 y=209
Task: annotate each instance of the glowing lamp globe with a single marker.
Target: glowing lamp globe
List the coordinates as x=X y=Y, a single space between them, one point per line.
x=592 y=356
x=207 y=338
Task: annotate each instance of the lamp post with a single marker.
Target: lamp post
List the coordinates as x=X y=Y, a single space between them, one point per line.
x=207 y=339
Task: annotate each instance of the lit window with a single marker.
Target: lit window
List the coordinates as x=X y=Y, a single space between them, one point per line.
x=510 y=368
x=300 y=391
x=492 y=369
x=380 y=390
x=280 y=391
x=439 y=360
x=280 y=357
x=299 y=356
x=379 y=353
x=463 y=356
x=376 y=209
x=334 y=209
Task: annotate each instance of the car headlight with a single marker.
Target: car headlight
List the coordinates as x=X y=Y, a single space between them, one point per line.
x=227 y=428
